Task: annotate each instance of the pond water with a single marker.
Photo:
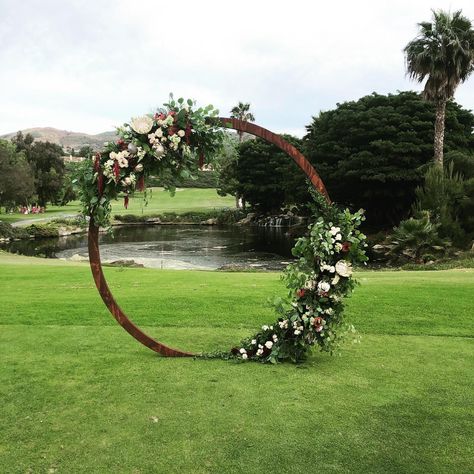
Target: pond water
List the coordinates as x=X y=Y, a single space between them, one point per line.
x=174 y=246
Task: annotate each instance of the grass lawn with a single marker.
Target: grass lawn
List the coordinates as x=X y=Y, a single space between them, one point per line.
x=184 y=200
x=80 y=395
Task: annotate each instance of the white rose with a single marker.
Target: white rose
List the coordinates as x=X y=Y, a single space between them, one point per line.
x=343 y=268
x=297 y=333
x=254 y=341
x=324 y=286
x=338 y=247
x=159 y=133
x=139 y=167
x=275 y=337
x=159 y=150
x=265 y=328
x=181 y=133
x=142 y=124
x=338 y=237
x=243 y=351
x=244 y=356
x=332 y=269
x=128 y=181
x=269 y=344
x=335 y=230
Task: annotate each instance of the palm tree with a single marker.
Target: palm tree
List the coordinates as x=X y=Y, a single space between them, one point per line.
x=443 y=53
x=242 y=112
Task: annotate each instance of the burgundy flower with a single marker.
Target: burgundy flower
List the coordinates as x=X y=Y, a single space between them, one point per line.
x=300 y=293
x=122 y=145
x=346 y=247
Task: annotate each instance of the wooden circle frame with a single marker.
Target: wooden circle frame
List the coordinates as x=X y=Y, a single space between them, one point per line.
x=93 y=240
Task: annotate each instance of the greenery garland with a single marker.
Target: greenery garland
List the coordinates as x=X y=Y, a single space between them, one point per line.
x=169 y=144
x=317 y=282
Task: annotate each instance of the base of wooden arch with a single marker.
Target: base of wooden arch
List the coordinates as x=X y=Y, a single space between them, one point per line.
x=93 y=241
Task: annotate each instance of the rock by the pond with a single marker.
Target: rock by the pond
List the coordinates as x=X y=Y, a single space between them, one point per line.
x=212 y=221
x=129 y=263
x=153 y=220
x=78 y=258
x=248 y=219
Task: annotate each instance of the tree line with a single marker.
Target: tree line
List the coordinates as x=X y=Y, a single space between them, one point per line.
x=33 y=173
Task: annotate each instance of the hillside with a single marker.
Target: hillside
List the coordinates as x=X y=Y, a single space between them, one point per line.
x=65 y=138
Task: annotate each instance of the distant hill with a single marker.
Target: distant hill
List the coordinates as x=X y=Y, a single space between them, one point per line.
x=65 y=138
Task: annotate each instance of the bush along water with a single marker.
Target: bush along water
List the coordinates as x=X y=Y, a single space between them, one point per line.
x=313 y=314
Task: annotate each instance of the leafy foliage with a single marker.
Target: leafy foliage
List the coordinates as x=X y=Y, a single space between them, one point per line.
x=442 y=53
x=417 y=239
x=371 y=152
x=16 y=177
x=166 y=144
x=267 y=178
x=317 y=283
x=448 y=195
x=48 y=166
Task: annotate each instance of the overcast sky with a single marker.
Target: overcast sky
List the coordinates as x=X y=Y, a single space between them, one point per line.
x=88 y=66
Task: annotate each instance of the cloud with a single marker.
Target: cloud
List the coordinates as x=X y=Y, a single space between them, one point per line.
x=85 y=66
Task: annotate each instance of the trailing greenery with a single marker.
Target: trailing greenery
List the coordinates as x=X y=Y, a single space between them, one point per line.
x=370 y=152
x=317 y=283
x=168 y=144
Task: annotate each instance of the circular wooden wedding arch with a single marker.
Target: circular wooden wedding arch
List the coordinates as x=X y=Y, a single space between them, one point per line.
x=93 y=242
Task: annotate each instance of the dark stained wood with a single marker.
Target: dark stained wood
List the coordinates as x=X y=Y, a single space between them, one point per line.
x=94 y=252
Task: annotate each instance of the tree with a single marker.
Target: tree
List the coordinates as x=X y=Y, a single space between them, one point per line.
x=371 y=153
x=16 y=177
x=242 y=112
x=267 y=178
x=45 y=159
x=86 y=151
x=443 y=53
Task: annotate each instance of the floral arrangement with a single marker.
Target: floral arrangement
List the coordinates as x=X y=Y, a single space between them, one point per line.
x=170 y=143
x=317 y=283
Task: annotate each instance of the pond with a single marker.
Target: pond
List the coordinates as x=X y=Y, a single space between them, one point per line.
x=174 y=246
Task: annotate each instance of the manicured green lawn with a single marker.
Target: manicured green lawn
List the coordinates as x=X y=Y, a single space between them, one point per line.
x=184 y=200
x=80 y=395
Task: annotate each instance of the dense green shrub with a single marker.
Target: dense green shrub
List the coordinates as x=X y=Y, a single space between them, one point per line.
x=417 y=240
x=370 y=152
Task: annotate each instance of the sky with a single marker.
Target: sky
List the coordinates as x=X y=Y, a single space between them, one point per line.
x=88 y=66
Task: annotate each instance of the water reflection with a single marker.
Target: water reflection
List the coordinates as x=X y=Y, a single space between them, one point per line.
x=175 y=246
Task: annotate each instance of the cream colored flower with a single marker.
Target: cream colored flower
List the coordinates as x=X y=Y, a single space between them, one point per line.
x=142 y=124
x=181 y=133
x=324 y=286
x=344 y=268
x=269 y=344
